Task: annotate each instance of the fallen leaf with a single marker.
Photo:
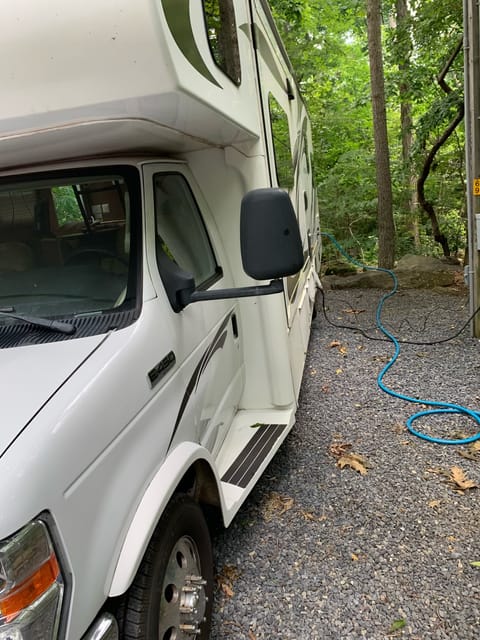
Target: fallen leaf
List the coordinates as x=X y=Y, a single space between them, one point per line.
x=439 y=471
x=325 y=388
x=354 y=461
x=227 y=590
x=226 y=578
x=276 y=505
x=338 y=449
x=231 y=572
x=354 y=311
x=354 y=557
x=308 y=515
x=434 y=503
x=251 y=635
x=475 y=564
x=341 y=348
x=460 y=480
x=473 y=451
x=468 y=455
x=339 y=371
x=399 y=427
x=397 y=625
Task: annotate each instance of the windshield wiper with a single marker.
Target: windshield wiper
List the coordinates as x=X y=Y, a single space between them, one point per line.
x=45 y=323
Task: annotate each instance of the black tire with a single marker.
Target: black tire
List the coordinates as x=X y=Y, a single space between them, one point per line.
x=171 y=595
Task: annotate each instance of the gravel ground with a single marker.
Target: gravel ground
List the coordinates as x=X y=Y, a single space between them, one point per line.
x=319 y=552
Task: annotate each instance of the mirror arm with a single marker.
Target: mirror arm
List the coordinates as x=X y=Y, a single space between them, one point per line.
x=275 y=286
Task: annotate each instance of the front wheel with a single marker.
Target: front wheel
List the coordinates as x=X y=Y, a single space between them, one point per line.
x=171 y=596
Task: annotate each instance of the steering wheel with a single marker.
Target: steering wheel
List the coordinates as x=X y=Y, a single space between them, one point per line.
x=99 y=252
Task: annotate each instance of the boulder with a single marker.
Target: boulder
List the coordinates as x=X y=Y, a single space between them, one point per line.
x=412 y=271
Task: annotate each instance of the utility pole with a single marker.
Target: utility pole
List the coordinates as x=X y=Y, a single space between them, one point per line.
x=472 y=148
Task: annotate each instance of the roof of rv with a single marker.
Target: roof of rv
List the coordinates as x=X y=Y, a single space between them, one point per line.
x=115 y=75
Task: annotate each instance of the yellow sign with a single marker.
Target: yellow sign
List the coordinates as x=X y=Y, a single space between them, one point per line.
x=476 y=187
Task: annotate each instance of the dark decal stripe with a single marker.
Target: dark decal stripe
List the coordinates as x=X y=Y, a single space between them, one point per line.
x=217 y=343
x=177 y=15
x=251 y=457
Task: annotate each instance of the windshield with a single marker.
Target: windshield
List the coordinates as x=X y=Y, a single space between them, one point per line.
x=65 y=246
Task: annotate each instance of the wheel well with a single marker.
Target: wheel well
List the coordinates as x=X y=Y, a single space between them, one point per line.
x=199 y=482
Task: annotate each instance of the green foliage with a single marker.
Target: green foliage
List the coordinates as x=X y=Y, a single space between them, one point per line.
x=327 y=45
x=66 y=205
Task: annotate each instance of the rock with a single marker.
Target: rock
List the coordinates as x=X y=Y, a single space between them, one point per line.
x=412 y=271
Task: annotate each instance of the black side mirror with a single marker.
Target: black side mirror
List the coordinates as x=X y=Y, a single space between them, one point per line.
x=269 y=235
x=271 y=250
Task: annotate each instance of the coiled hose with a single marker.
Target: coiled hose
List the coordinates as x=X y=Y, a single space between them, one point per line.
x=436 y=407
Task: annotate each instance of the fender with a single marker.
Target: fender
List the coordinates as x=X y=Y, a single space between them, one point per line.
x=150 y=509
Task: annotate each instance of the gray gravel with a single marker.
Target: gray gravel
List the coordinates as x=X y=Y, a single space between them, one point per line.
x=323 y=553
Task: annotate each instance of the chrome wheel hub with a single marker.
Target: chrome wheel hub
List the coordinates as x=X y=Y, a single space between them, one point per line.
x=183 y=599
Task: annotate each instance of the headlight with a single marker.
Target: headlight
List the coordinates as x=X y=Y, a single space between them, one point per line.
x=31 y=585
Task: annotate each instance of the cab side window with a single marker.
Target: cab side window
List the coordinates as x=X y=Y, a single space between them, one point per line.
x=180 y=231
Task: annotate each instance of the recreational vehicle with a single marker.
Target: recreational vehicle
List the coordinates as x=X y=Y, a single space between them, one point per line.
x=159 y=243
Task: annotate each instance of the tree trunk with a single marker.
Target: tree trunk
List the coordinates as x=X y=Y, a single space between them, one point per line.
x=386 y=228
x=427 y=206
x=404 y=52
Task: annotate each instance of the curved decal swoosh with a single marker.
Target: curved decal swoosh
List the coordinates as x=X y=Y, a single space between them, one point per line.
x=217 y=343
x=177 y=14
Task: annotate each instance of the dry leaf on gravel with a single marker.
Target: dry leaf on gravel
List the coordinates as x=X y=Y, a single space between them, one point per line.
x=276 y=505
x=354 y=311
x=338 y=449
x=341 y=347
x=459 y=480
x=355 y=462
x=226 y=578
x=308 y=515
x=472 y=452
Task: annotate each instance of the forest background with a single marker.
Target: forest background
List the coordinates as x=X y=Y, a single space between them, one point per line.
x=421 y=45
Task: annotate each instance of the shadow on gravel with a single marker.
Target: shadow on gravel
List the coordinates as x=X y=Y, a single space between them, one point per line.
x=320 y=552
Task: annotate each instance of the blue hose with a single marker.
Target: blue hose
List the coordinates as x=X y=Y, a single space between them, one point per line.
x=437 y=407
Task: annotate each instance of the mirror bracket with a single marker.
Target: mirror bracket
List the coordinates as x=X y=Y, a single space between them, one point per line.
x=187 y=296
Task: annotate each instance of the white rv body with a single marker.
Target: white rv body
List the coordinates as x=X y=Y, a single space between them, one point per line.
x=126 y=106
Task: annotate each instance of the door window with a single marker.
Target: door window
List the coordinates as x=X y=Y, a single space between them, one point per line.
x=180 y=231
x=281 y=144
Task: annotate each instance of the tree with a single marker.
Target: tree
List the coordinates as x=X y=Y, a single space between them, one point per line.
x=386 y=228
x=402 y=48
x=327 y=43
x=456 y=118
